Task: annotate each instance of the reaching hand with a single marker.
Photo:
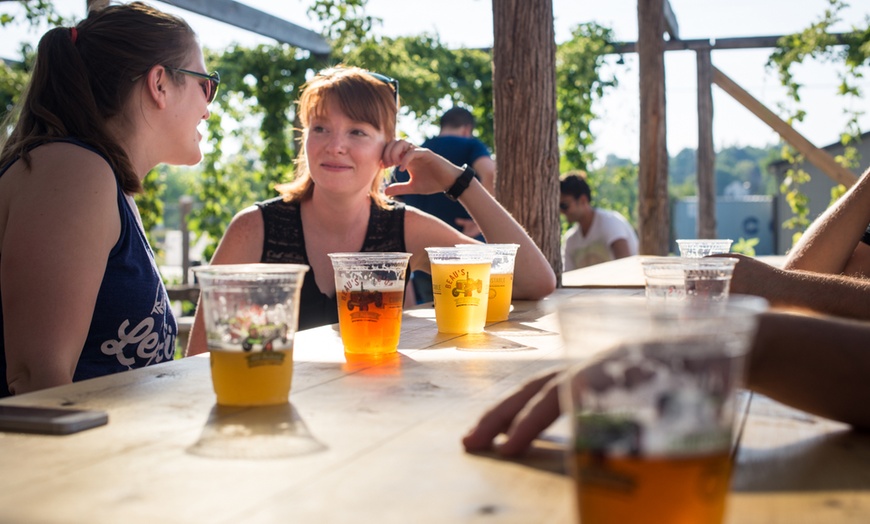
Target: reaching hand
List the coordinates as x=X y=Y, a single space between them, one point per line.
x=522 y=416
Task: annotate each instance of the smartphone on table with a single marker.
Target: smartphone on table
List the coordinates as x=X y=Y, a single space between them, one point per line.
x=49 y=421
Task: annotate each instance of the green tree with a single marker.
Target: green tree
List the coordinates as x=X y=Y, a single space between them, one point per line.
x=578 y=85
x=817 y=43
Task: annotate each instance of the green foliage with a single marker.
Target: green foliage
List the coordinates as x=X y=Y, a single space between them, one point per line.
x=816 y=43
x=745 y=246
x=432 y=77
x=578 y=84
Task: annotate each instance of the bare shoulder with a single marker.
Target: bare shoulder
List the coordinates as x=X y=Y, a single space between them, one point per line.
x=243 y=240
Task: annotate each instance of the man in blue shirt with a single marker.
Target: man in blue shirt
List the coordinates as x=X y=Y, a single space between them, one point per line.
x=455 y=143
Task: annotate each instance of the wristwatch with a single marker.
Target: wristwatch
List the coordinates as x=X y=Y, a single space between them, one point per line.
x=461 y=183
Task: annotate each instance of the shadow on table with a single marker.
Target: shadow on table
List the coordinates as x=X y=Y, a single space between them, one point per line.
x=834 y=461
x=545 y=454
x=261 y=432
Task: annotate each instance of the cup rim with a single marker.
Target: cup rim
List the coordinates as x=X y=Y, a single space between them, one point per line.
x=252 y=269
x=379 y=255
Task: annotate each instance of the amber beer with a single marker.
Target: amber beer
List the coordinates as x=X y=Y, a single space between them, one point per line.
x=670 y=490
x=251 y=378
x=370 y=292
x=461 y=295
x=370 y=321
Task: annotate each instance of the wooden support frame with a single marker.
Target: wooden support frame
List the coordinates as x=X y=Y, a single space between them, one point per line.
x=818 y=157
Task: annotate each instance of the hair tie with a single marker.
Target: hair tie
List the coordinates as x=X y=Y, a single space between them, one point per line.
x=73 y=34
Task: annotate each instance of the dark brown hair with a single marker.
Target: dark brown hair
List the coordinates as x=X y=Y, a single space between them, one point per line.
x=362 y=97
x=76 y=87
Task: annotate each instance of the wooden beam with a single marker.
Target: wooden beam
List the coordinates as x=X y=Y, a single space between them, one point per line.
x=706 y=226
x=653 y=207
x=671 y=25
x=749 y=42
x=818 y=157
x=245 y=17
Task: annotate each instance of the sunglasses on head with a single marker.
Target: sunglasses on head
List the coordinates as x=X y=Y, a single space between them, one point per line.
x=209 y=86
x=392 y=82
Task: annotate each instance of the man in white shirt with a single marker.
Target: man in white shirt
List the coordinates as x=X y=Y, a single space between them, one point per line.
x=597 y=235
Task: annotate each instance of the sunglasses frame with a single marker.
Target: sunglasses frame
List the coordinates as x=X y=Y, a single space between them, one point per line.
x=214 y=81
x=392 y=82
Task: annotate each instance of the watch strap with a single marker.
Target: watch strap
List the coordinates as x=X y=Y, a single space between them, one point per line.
x=462 y=183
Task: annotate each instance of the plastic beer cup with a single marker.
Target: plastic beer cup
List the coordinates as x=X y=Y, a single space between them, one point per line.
x=671 y=279
x=251 y=313
x=651 y=394
x=501 y=279
x=460 y=287
x=370 y=291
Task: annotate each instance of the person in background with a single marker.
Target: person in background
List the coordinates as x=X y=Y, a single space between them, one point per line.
x=456 y=143
x=109 y=99
x=596 y=235
x=337 y=203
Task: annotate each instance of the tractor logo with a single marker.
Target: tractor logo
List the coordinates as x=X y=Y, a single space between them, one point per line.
x=467 y=286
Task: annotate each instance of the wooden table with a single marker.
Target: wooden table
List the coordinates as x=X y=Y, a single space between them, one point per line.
x=376 y=442
x=624 y=273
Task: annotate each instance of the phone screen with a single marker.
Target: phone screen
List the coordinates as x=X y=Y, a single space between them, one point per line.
x=49 y=421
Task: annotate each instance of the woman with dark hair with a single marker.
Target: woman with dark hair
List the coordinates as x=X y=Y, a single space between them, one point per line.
x=337 y=201
x=109 y=99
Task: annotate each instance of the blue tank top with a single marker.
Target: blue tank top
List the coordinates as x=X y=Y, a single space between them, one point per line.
x=133 y=325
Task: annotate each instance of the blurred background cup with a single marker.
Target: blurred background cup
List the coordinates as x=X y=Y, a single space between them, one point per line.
x=251 y=313
x=370 y=291
x=501 y=279
x=702 y=247
x=460 y=287
x=670 y=279
x=650 y=393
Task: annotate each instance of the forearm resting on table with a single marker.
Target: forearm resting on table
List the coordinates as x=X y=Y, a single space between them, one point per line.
x=827 y=294
x=816 y=364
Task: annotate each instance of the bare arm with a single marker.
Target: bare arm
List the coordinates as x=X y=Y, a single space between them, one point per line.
x=485 y=167
x=620 y=249
x=832 y=243
x=242 y=243
x=431 y=173
x=829 y=294
x=817 y=364
x=62 y=222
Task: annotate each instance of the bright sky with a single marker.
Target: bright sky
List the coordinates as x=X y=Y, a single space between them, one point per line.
x=469 y=23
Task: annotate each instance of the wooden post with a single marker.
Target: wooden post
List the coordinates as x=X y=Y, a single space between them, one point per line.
x=96 y=5
x=526 y=138
x=706 y=227
x=185 y=205
x=653 y=207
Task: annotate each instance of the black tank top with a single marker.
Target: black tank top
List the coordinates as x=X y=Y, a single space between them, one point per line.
x=284 y=243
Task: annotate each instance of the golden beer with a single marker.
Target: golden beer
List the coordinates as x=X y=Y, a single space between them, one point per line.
x=461 y=295
x=681 y=490
x=501 y=287
x=251 y=378
x=370 y=321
